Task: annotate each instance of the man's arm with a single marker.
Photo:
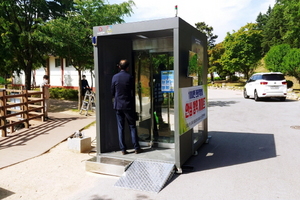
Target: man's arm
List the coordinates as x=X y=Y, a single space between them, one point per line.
x=112 y=87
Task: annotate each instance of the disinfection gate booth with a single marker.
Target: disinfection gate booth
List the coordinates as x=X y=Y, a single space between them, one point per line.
x=168 y=61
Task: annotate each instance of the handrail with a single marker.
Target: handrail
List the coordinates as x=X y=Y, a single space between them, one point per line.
x=27 y=110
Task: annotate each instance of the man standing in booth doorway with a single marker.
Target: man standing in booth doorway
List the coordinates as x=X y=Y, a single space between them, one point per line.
x=122 y=91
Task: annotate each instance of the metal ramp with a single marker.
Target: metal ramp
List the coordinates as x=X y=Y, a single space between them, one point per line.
x=146 y=175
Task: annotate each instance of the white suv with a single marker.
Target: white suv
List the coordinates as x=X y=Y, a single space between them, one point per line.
x=266 y=85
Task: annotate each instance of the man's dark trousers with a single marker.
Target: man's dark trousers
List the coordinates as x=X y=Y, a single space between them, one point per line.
x=129 y=115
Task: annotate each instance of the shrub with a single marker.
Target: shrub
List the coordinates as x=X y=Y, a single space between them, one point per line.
x=289 y=83
x=234 y=78
x=63 y=93
x=218 y=78
x=2 y=81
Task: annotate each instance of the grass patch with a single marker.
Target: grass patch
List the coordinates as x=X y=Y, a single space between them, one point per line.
x=239 y=84
x=88 y=126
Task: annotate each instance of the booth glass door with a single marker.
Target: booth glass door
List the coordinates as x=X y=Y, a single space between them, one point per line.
x=155 y=107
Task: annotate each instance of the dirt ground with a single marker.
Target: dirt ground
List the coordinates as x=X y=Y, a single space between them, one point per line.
x=62 y=105
x=54 y=175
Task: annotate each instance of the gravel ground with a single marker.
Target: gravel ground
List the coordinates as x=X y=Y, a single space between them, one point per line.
x=53 y=175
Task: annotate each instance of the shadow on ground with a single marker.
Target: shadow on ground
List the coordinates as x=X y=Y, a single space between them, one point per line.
x=57 y=105
x=227 y=149
x=221 y=103
x=5 y=193
x=22 y=137
x=276 y=100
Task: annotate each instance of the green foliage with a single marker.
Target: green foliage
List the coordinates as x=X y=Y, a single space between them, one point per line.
x=291 y=62
x=165 y=59
x=2 y=80
x=262 y=19
x=211 y=39
x=214 y=60
x=69 y=37
x=218 y=78
x=274 y=28
x=234 y=78
x=193 y=64
x=280 y=25
x=208 y=31
x=292 y=16
x=98 y=12
x=274 y=58
x=19 y=21
x=242 y=50
x=283 y=58
x=63 y=93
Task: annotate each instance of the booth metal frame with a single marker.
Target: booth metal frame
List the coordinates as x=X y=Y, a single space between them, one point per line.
x=115 y=42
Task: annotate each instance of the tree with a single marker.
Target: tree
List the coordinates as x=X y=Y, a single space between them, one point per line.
x=291 y=15
x=69 y=37
x=19 y=21
x=262 y=19
x=282 y=58
x=214 y=55
x=291 y=63
x=280 y=25
x=242 y=50
x=274 y=29
x=6 y=67
x=211 y=39
x=208 y=31
x=274 y=58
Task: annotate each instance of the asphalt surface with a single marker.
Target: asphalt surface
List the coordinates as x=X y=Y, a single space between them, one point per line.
x=253 y=154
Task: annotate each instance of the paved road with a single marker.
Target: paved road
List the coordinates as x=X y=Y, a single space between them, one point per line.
x=253 y=154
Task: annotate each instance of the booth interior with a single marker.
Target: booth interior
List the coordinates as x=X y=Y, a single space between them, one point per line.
x=165 y=56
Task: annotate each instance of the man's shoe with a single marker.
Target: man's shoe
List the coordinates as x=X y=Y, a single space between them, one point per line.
x=138 y=151
x=124 y=152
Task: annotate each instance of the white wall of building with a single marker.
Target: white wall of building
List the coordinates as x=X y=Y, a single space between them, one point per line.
x=60 y=76
x=39 y=73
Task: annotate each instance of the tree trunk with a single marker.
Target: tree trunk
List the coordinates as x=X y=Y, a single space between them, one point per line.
x=28 y=77
x=79 y=90
x=212 y=77
x=5 y=84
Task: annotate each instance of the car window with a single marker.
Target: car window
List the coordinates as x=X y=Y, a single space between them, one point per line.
x=273 y=77
x=259 y=77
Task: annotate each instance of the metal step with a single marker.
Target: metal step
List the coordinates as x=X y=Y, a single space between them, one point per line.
x=107 y=165
x=146 y=175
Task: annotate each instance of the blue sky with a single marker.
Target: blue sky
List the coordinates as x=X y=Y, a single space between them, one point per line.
x=223 y=15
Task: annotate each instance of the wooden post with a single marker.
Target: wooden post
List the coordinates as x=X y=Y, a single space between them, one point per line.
x=25 y=105
x=43 y=103
x=3 y=112
x=11 y=128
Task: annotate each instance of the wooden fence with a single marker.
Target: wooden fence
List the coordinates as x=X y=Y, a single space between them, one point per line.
x=20 y=107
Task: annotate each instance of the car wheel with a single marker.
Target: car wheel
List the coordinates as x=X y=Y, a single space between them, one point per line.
x=245 y=94
x=282 y=98
x=256 y=98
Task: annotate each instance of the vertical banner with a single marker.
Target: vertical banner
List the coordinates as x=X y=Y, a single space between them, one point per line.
x=192 y=107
